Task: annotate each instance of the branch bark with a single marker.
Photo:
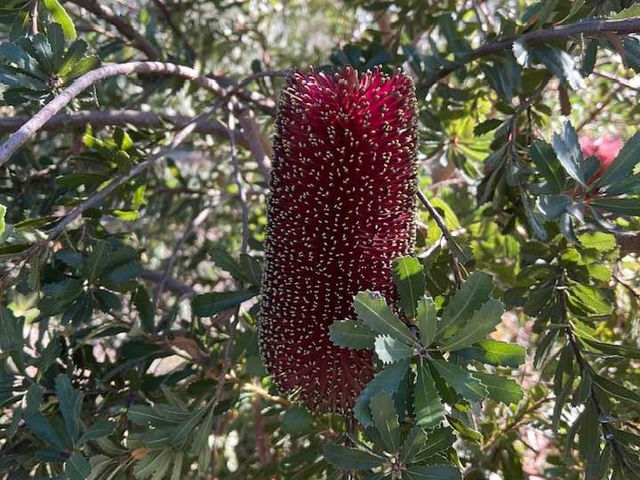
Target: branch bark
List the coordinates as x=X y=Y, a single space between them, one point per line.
x=589 y=27
x=69 y=121
x=102 y=11
x=20 y=137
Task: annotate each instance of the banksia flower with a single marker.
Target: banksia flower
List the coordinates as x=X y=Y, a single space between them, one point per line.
x=605 y=149
x=341 y=210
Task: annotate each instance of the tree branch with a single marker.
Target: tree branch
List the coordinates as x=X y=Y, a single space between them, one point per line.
x=588 y=27
x=102 y=11
x=169 y=283
x=27 y=130
x=68 y=121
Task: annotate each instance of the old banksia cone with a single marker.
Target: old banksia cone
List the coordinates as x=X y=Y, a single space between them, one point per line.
x=341 y=210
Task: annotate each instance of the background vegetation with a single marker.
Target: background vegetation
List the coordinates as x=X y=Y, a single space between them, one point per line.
x=132 y=220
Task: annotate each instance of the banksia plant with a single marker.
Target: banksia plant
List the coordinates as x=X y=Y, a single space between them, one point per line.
x=341 y=210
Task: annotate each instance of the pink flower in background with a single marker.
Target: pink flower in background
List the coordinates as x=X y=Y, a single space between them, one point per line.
x=606 y=149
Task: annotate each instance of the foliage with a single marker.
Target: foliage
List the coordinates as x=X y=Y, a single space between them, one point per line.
x=128 y=311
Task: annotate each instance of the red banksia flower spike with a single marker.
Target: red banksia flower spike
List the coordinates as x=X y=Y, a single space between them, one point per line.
x=341 y=210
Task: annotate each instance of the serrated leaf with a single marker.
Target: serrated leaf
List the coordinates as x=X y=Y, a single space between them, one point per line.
x=390 y=350
x=409 y=278
x=347 y=459
x=501 y=389
x=251 y=269
x=612 y=389
x=428 y=406
x=461 y=380
x=427 y=321
x=494 y=352
x=385 y=419
x=208 y=304
x=415 y=441
x=482 y=323
x=375 y=312
x=387 y=380
x=351 y=334
x=473 y=293
x=226 y=262
x=465 y=431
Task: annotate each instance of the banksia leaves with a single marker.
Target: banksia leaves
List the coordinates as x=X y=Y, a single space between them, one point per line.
x=341 y=210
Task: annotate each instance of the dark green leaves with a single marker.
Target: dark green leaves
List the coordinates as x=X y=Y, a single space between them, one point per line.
x=479 y=326
x=70 y=402
x=208 y=304
x=391 y=350
x=569 y=153
x=470 y=297
x=374 y=311
x=624 y=163
x=428 y=407
x=385 y=419
x=346 y=458
x=461 y=380
x=494 y=352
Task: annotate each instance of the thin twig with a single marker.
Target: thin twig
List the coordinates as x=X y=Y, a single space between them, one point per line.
x=33 y=14
x=169 y=283
x=67 y=121
x=102 y=11
x=619 y=81
x=197 y=220
x=237 y=178
x=587 y=27
x=20 y=137
x=593 y=114
x=627 y=286
x=445 y=232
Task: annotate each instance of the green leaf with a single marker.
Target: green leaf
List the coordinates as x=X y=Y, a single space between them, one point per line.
x=483 y=322
x=494 y=352
x=473 y=293
x=461 y=380
x=588 y=300
x=143 y=304
x=61 y=16
x=620 y=206
x=251 y=269
x=385 y=419
x=428 y=407
x=41 y=427
x=465 y=431
x=569 y=153
x=297 y=420
x=632 y=11
x=559 y=62
x=415 y=441
x=70 y=402
x=346 y=458
x=552 y=206
x=614 y=390
x=600 y=241
x=438 y=440
x=208 y=304
x=374 y=311
x=387 y=380
x=351 y=334
x=501 y=389
x=409 y=278
x=102 y=428
x=427 y=321
x=390 y=350
x=77 y=467
x=431 y=472
x=226 y=262
x=623 y=165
